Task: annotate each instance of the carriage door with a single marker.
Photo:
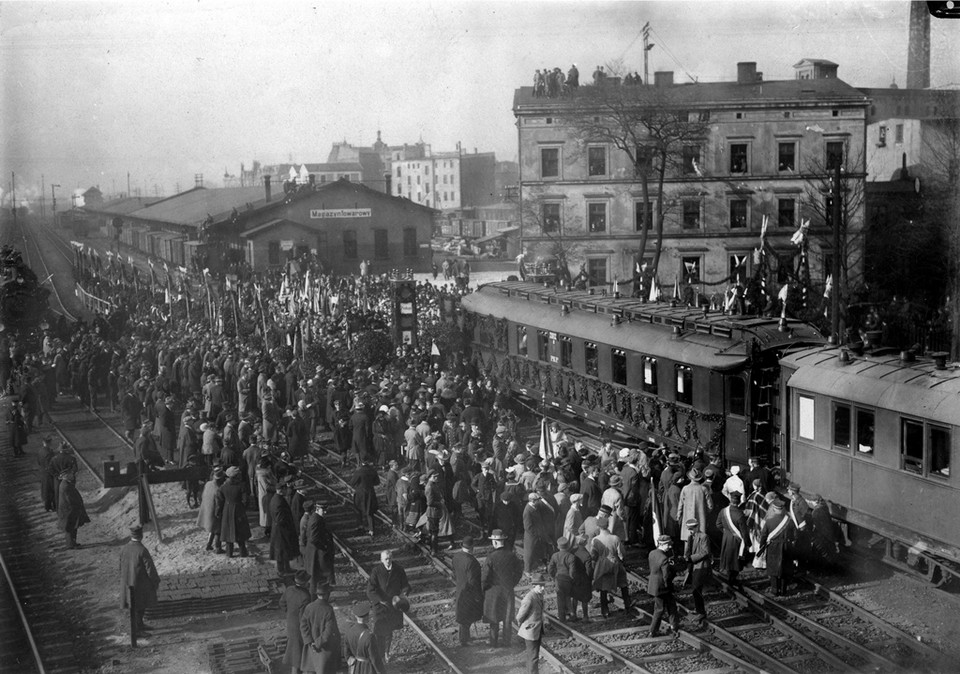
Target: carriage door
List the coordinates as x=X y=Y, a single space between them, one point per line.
x=764 y=439
x=735 y=394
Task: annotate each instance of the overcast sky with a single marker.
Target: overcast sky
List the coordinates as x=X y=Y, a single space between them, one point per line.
x=164 y=90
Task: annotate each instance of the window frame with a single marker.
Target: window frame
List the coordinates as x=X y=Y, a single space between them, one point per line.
x=522 y=335
x=591 y=275
x=649 y=366
x=792 y=224
x=730 y=395
x=590 y=204
x=688 y=153
x=927 y=429
x=806 y=418
x=857 y=411
x=746 y=157
x=683 y=393
x=591 y=364
x=351 y=247
x=559 y=157
x=830 y=155
x=684 y=214
x=736 y=200
x=604 y=158
x=781 y=144
x=846 y=408
x=638 y=212
x=543 y=346
x=544 y=218
x=566 y=351
x=618 y=364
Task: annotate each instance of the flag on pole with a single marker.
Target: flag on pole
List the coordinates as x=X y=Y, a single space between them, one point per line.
x=782 y=296
x=654 y=502
x=435 y=350
x=654 y=290
x=763 y=229
x=800 y=234
x=546 y=446
x=676 y=287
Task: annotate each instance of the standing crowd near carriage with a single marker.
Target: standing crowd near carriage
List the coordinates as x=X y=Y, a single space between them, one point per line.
x=435 y=443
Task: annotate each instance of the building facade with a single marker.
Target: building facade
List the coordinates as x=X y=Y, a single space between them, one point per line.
x=446 y=180
x=752 y=149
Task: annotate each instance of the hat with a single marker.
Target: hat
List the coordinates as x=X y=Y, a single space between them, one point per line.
x=539 y=579
x=361 y=609
x=793 y=486
x=575 y=498
x=497 y=535
x=673 y=457
x=663 y=538
x=695 y=474
x=232 y=471
x=383 y=408
x=323 y=587
x=301 y=578
x=692 y=523
x=625 y=453
x=467 y=542
x=402 y=604
x=735 y=497
x=136 y=531
x=501 y=428
x=169 y=400
x=734 y=469
x=308 y=505
x=218 y=472
x=563 y=543
x=605 y=509
x=616 y=481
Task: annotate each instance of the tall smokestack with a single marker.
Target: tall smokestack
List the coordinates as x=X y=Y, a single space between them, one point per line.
x=918 y=54
x=266 y=187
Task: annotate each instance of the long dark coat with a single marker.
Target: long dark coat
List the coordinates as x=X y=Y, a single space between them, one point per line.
x=293 y=601
x=321 y=639
x=776 y=548
x=535 y=541
x=502 y=570
x=71 y=513
x=138 y=571
x=298 y=436
x=364 y=483
x=167 y=429
x=469 y=592
x=319 y=551
x=730 y=544
x=232 y=510
x=284 y=535
x=382 y=587
x=362 y=441
x=207 y=518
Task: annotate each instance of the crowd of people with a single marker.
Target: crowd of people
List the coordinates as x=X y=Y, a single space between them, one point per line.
x=434 y=442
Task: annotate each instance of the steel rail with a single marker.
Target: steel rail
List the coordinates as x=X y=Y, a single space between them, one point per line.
x=23 y=615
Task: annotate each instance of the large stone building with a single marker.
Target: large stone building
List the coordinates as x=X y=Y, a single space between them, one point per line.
x=446 y=180
x=734 y=153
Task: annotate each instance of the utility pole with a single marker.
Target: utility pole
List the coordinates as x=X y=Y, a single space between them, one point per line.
x=835 y=297
x=53 y=208
x=128 y=185
x=647 y=46
x=13 y=196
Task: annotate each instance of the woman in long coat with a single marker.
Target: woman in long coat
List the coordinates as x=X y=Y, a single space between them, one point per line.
x=232 y=510
x=364 y=483
x=342 y=433
x=416 y=502
x=383 y=436
x=207 y=518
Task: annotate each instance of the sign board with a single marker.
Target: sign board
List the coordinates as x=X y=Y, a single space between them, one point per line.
x=323 y=213
x=286 y=244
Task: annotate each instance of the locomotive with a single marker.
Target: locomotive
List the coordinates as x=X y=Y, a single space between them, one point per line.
x=24 y=302
x=871 y=430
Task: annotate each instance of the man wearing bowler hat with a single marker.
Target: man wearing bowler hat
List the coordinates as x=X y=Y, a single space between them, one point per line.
x=139 y=579
x=660 y=586
x=501 y=572
x=530 y=622
x=319 y=634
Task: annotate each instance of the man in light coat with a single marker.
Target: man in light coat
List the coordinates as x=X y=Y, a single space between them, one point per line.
x=695 y=503
x=530 y=621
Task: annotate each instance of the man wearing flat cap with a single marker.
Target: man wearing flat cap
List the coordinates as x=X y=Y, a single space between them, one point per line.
x=776 y=533
x=660 y=586
x=568 y=572
x=700 y=563
x=319 y=633
x=469 y=593
x=361 y=649
x=293 y=601
x=530 y=621
x=139 y=579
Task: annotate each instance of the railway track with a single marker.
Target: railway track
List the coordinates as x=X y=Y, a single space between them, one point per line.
x=30 y=259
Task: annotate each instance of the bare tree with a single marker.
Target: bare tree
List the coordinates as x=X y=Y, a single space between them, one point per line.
x=561 y=251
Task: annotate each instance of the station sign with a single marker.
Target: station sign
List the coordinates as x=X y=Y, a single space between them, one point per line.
x=324 y=213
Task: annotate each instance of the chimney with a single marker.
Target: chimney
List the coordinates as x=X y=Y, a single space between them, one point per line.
x=746 y=72
x=266 y=187
x=663 y=78
x=918 y=52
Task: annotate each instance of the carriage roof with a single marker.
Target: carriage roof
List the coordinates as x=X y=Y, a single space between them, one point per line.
x=682 y=334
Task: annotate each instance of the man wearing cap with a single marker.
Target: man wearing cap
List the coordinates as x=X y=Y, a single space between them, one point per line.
x=231 y=509
x=735 y=540
x=298 y=432
x=799 y=511
x=507 y=516
x=139 y=579
x=319 y=634
x=700 y=564
x=469 y=593
x=166 y=426
x=364 y=483
x=589 y=489
x=130 y=411
x=758 y=472
x=535 y=535
x=530 y=622
x=71 y=513
x=569 y=573
x=501 y=572
x=293 y=601
x=319 y=549
x=485 y=487
x=573 y=520
x=695 y=503
x=660 y=586
x=361 y=648
x=284 y=541
x=776 y=532
x=207 y=518
x=386 y=588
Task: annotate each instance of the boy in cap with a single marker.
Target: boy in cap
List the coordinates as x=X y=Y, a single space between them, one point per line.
x=530 y=621
x=660 y=586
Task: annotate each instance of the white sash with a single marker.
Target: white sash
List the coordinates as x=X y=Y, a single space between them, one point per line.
x=733 y=529
x=778 y=529
x=793 y=516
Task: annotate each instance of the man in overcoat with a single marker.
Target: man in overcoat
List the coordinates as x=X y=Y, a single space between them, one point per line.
x=695 y=502
x=320 y=635
x=660 y=586
x=501 y=572
x=361 y=648
x=469 y=592
x=292 y=603
x=284 y=538
x=232 y=511
x=386 y=588
x=364 y=483
x=700 y=563
x=71 y=513
x=530 y=622
x=776 y=534
x=535 y=537
x=319 y=550
x=207 y=517
x=139 y=579
x=166 y=425
x=735 y=539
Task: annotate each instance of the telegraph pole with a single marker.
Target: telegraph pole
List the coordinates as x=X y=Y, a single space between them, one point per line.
x=647 y=46
x=53 y=208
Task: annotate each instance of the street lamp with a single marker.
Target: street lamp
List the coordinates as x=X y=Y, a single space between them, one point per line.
x=53 y=192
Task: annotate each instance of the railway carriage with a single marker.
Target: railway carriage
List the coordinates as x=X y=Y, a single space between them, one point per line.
x=876 y=434
x=685 y=377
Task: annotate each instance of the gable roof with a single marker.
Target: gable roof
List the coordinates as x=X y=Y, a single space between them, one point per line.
x=270 y=224
x=122 y=206
x=193 y=206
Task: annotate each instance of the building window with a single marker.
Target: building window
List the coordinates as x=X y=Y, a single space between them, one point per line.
x=380 y=249
x=597 y=217
x=834 y=154
x=786 y=212
x=898 y=129
x=591 y=359
x=618 y=364
x=738 y=267
x=805 y=417
x=738 y=157
x=650 y=375
x=938 y=442
x=691 y=214
x=691 y=269
x=841 y=426
x=864 y=431
x=737 y=395
x=418 y=180
x=273 y=252
x=543 y=345
x=566 y=351
x=550 y=162
x=398 y=173
x=882 y=136
x=642 y=216
x=911 y=446
x=597 y=271
x=690 y=159
x=787 y=157
x=399 y=189
x=644 y=159
x=550 y=212
x=349 y=244
x=410 y=242
x=738 y=214
x=597 y=161
x=522 y=340
x=684 y=384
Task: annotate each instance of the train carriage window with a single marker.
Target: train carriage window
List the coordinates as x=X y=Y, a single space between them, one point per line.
x=543 y=345
x=841 y=426
x=591 y=359
x=939 y=451
x=684 y=384
x=865 y=431
x=566 y=352
x=737 y=395
x=522 y=340
x=805 y=417
x=650 y=375
x=911 y=445
x=618 y=358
